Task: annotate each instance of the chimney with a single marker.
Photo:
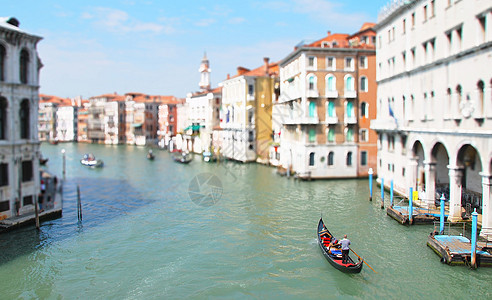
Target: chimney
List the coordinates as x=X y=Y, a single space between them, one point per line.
x=329 y=32
x=266 y=60
x=228 y=76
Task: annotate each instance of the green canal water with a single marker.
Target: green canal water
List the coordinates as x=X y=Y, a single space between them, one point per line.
x=142 y=237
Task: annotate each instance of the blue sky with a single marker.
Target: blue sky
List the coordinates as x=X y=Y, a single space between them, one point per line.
x=155 y=47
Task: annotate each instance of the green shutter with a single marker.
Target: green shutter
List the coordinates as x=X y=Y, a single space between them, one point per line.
x=312 y=135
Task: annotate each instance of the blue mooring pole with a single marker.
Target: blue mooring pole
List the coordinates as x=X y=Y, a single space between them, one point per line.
x=370 y=184
x=391 y=193
x=474 y=239
x=441 y=219
x=382 y=192
x=410 y=206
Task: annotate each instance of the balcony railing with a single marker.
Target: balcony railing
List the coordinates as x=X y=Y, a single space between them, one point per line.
x=350 y=94
x=332 y=120
x=312 y=94
x=331 y=94
x=350 y=120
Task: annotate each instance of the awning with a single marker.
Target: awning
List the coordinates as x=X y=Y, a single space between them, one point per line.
x=136 y=125
x=193 y=127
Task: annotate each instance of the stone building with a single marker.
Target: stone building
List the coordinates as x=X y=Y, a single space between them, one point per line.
x=19 y=97
x=434 y=102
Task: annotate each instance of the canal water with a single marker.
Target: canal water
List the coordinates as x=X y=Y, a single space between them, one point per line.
x=146 y=234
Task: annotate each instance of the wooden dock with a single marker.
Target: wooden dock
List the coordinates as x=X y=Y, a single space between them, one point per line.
x=456 y=250
x=420 y=216
x=52 y=210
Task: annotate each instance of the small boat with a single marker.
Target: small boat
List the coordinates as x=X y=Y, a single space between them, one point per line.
x=209 y=157
x=334 y=255
x=43 y=161
x=91 y=161
x=184 y=158
x=150 y=155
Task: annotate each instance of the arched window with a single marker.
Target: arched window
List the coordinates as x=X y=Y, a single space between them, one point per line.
x=3 y=118
x=364 y=110
x=3 y=54
x=311 y=159
x=350 y=109
x=349 y=158
x=24 y=119
x=481 y=98
x=312 y=82
x=24 y=65
x=312 y=109
x=331 y=83
x=349 y=83
x=331 y=109
x=331 y=134
x=363 y=84
x=458 y=92
x=349 y=134
x=331 y=158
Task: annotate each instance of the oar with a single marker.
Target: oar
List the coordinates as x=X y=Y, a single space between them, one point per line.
x=363 y=261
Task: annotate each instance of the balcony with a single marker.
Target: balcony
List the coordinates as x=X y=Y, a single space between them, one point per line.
x=350 y=120
x=384 y=124
x=350 y=94
x=331 y=94
x=312 y=94
x=301 y=121
x=332 y=120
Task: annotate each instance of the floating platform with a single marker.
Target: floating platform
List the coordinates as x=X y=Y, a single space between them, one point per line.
x=456 y=250
x=29 y=219
x=420 y=215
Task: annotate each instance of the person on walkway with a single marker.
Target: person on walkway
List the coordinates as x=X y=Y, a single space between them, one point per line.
x=345 y=243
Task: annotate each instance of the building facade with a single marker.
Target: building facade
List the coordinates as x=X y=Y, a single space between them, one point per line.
x=327 y=97
x=19 y=97
x=246 y=116
x=434 y=102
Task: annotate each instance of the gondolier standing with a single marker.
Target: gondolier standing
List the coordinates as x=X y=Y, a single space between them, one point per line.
x=345 y=249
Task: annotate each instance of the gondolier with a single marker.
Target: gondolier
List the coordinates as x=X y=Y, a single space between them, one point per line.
x=345 y=243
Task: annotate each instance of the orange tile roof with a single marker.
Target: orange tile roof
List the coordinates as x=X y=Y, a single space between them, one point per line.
x=273 y=69
x=341 y=40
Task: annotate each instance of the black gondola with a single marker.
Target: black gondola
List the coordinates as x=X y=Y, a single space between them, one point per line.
x=184 y=158
x=333 y=255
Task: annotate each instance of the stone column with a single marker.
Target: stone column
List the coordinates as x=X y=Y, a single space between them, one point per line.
x=486 y=206
x=430 y=183
x=455 y=187
x=412 y=166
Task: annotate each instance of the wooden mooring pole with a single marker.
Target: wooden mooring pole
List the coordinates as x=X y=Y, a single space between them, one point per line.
x=79 y=205
x=382 y=193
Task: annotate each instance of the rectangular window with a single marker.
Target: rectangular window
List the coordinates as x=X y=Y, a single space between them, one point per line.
x=27 y=200
x=4 y=206
x=482 y=29
x=449 y=38
x=413 y=20
x=27 y=171
x=349 y=63
x=364 y=135
x=311 y=62
x=330 y=63
x=4 y=174
x=363 y=62
x=404 y=26
x=433 y=9
x=363 y=158
x=251 y=89
x=312 y=135
x=425 y=13
x=459 y=35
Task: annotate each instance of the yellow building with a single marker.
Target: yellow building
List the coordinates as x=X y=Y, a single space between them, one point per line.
x=246 y=114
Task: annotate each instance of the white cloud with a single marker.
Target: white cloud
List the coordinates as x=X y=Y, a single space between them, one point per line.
x=237 y=20
x=205 y=22
x=116 y=20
